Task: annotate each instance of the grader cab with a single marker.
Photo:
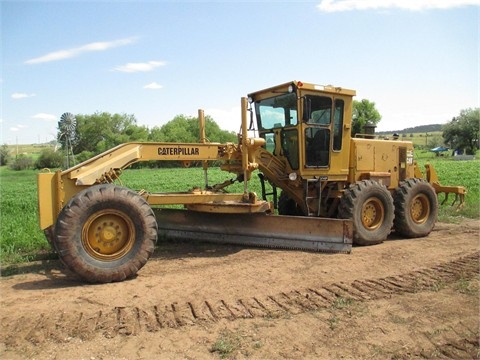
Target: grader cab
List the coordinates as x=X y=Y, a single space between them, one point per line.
x=334 y=190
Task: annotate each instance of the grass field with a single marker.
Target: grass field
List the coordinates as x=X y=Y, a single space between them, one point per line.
x=22 y=240
x=426 y=140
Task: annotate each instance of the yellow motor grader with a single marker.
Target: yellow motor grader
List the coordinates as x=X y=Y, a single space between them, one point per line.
x=335 y=190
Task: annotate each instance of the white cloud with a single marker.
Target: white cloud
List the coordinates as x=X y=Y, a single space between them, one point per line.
x=18 y=127
x=139 y=67
x=414 y=5
x=17 y=96
x=154 y=85
x=73 y=52
x=46 y=117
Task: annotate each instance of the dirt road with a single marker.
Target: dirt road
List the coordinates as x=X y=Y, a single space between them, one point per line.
x=401 y=299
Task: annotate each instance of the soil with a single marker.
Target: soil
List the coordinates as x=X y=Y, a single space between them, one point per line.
x=403 y=299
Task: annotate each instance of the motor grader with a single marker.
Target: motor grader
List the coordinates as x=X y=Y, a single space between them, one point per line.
x=335 y=190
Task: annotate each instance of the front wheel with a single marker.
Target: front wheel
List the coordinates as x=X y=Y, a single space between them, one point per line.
x=105 y=233
x=416 y=208
x=370 y=206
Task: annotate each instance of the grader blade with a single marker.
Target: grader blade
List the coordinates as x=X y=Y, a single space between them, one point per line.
x=271 y=231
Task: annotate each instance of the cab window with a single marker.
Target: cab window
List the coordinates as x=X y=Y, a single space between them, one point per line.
x=317 y=145
x=277 y=112
x=319 y=108
x=338 y=124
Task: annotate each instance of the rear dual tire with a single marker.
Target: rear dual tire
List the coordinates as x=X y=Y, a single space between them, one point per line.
x=370 y=206
x=416 y=208
x=412 y=211
x=105 y=233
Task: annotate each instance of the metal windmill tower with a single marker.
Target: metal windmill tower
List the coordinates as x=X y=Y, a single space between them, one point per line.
x=67 y=125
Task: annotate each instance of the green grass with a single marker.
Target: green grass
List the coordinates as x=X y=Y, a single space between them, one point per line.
x=20 y=236
x=21 y=239
x=226 y=344
x=456 y=173
x=32 y=151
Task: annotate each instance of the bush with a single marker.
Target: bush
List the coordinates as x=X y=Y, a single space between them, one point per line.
x=49 y=159
x=22 y=162
x=4 y=155
x=84 y=155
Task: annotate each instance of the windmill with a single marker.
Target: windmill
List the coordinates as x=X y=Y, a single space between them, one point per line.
x=67 y=126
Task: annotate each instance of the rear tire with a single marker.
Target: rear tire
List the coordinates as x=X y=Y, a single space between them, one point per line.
x=105 y=233
x=370 y=206
x=416 y=208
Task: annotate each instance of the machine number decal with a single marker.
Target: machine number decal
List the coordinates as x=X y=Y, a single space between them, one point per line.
x=410 y=157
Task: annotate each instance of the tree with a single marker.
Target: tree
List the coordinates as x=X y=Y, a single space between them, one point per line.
x=101 y=131
x=186 y=129
x=364 y=112
x=4 y=155
x=463 y=131
x=434 y=141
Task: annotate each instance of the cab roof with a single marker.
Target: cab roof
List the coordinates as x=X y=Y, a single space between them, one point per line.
x=283 y=88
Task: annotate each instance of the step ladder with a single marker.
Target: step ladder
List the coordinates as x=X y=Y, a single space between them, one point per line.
x=308 y=198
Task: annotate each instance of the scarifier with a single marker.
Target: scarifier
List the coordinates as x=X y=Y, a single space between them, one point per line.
x=335 y=190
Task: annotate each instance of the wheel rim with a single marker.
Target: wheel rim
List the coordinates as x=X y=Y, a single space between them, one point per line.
x=420 y=209
x=372 y=213
x=108 y=235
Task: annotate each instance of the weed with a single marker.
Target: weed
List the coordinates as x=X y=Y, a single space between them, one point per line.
x=377 y=349
x=467 y=286
x=396 y=319
x=436 y=332
x=341 y=302
x=332 y=322
x=226 y=344
x=437 y=286
x=257 y=344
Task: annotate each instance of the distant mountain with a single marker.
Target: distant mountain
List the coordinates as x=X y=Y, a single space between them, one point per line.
x=416 y=129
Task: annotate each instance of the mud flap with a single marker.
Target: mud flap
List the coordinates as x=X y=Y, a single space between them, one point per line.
x=271 y=231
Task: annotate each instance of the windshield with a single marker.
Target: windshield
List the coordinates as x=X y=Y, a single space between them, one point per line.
x=276 y=112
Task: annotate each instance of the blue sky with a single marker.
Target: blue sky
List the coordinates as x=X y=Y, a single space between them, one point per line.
x=418 y=60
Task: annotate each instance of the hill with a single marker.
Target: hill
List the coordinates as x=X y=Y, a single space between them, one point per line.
x=415 y=130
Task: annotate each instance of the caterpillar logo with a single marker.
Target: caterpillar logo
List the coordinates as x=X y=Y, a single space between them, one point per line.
x=173 y=151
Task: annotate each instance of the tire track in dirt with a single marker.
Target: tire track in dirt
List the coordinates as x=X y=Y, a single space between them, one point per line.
x=126 y=321
x=459 y=342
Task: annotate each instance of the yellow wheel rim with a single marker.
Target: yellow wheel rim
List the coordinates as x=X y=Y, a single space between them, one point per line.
x=420 y=209
x=108 y=235
x=372 y=213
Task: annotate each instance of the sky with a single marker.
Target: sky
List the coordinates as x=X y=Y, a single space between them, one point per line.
x=418 y=60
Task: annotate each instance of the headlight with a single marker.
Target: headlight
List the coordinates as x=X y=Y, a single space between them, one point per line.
x=292 y=176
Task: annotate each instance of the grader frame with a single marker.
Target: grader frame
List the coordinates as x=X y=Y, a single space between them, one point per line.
x=335 y=190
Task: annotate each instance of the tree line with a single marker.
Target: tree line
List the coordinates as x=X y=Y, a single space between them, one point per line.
x=98 y=132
